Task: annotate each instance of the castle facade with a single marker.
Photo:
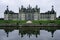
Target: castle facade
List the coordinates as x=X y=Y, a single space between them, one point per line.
x=29 y=14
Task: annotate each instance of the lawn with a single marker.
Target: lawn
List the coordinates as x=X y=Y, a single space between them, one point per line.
x=33 y=21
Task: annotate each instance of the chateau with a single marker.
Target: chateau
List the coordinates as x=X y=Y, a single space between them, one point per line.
x=29 y=13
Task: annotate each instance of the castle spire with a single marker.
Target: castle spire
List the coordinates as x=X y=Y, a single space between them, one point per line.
x=7 y=8
x=52 y=8
x=29 y=6
x=22 y=6
x=36 y=6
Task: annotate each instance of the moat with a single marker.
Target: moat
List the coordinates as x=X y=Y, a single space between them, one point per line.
x=29 y=33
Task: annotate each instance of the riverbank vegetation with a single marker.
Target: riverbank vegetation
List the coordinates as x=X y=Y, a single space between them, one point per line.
x=46 y=22
x=34 y=22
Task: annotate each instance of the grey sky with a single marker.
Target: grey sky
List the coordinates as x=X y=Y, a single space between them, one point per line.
x=44 y=5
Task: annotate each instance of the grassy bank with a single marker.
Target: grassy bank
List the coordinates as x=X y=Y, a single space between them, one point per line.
x=46 y=21
x=12 y=21
x=34 y=22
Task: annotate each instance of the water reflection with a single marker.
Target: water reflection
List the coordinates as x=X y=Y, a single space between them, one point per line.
x=29 y=31
x=34 y=33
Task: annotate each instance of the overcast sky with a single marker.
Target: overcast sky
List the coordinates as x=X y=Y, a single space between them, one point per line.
x=44 y=5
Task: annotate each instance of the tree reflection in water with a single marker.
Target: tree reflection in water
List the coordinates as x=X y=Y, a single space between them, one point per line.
x=30 y=30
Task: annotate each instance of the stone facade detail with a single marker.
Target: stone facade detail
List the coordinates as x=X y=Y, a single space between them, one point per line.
x=29 y=13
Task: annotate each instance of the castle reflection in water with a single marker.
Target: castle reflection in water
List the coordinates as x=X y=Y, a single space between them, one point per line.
x=30 y=30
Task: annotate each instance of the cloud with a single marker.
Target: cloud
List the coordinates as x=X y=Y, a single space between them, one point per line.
x=44 y=5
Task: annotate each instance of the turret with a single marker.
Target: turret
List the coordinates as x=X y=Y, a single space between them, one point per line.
x=52 y=10
x=7 y=8
x=37 y=9
x=6 y=11
x=29 y=6
x=22 y=7
x=36 y=6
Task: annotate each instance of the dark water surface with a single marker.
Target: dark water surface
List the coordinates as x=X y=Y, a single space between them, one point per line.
x=30 y=33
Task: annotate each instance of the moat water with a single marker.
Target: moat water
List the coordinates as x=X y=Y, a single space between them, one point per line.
x=30 y=33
